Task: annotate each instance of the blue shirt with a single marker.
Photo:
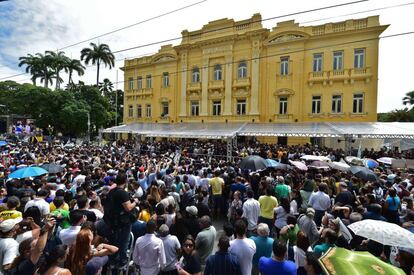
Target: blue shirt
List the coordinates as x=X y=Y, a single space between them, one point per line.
x=222 y=263
x=264 y=247
x=393 y=203
x=268 y=266
x=238 y=187
x=143 y=183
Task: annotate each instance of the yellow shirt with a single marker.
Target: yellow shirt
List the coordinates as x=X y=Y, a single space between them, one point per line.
x=217 y=185
x=267 y=205
x=144 y=216
x=10 y=214
x=53 y=207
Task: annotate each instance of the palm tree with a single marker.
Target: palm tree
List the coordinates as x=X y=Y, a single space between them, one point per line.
x=45 y=73
x=106 y=87
x=74 y=65
x=57 y=61
x=98 y=54
x=33 y=64
x=409 y=98
x=47 y=77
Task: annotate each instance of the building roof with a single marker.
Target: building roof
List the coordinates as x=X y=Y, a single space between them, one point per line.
x=225 y=130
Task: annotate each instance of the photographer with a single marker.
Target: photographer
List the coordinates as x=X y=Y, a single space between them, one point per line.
x=118 y=207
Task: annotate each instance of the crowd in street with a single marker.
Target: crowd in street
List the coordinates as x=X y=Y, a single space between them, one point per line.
x=156 y=210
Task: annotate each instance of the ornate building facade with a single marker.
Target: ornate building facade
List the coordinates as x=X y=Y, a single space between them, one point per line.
x=239 y=71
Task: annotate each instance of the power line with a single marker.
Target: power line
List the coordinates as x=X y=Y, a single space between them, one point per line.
x=254 y=21
x=289 y=52
x=132 y=25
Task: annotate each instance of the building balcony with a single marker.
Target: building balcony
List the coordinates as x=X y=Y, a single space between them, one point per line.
x=194 y=86
x=361 y=74
x=216 y=85
x=283 y=117
x=338 y=75
x=241 y=83
x=147 y=91
x=318 y=77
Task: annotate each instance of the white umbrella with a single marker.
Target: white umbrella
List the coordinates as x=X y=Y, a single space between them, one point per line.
x=313 y=158
x=385 y=160
x=339 y=165
x=299 y=165
x=383 y=232
x=354 y=160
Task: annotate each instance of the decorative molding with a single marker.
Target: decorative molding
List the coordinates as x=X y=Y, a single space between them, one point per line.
x=164 y=99
x=193 y=95
x=159 y=58
x=284 y=92
x=241 y=93
x=215 y=50
x=286 y=37
x=216 y=95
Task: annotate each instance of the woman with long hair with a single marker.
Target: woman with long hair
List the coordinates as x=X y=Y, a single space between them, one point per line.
x=190 y=262
x=392 y=205
x=154 y=196
x=54 y=260
x=83 y=251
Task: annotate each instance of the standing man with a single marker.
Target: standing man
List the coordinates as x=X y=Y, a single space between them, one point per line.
x=264 y=245
x=267 y=206
x=321 y=202
x=243 y=247
x=251 y=211
x=217 y=184
x=149 y=252
x=117 y=210
x=277 y=264
x=171 y=248
x=223 y=262
x=204 y=243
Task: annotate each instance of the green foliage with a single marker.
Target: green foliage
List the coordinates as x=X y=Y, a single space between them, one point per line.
x=408 y=99
x=398 y=115
x=98 y=54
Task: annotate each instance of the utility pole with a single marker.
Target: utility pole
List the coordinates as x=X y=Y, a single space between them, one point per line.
x=116 y=99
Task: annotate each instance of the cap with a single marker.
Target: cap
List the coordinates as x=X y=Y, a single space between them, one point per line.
x=192 y=210
x=8 y=225
x=310 y=212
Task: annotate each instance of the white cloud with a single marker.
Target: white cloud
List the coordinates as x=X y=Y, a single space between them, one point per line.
x=50 y=24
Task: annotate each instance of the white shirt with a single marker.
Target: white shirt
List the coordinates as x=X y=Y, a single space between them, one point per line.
x=98 y=213
x=9 y=249
x=320 y=201
x=39 y=203
x=68 y=235
x=149 y=254
x=251 y=211
x=244 y=249
x=171 y=244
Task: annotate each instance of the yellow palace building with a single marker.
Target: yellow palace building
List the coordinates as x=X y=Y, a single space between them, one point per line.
x=239 y=71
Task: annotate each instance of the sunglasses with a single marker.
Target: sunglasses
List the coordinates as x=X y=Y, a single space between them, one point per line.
x=188 y=245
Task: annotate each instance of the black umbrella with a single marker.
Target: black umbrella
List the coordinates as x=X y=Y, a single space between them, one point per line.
x=253 y=163
x=52 y=168
x=364 y=173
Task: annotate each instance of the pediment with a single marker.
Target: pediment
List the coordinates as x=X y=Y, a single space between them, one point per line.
x=159 y=58
x=286 y=37
x=284 y=92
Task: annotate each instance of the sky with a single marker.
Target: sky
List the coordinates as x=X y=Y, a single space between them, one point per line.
x=28 y=26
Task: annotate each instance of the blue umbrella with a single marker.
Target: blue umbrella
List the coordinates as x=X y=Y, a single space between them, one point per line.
x=27 y=172
x=271 y=163
x=370 y=163
x=3 y=143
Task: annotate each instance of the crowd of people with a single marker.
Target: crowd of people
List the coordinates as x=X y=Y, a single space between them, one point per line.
x=179 y=207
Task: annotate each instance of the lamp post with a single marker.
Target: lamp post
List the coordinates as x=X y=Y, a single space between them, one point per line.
x=89 y=128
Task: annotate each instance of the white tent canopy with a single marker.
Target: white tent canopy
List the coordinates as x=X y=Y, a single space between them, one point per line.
x=228 y=130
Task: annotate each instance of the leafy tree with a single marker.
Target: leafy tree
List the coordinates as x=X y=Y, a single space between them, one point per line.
x=33 y=65
x=106 y=87
x=398 y=115
x=74 y=65
x=98 y=54
x=408 y=99
x=57 y=61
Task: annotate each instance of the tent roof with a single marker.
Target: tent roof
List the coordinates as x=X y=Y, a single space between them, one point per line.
x=223 y=130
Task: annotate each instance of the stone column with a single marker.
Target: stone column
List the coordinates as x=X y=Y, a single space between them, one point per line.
x=254 y=97
x=183 y=101
x=228 y=84
x=204 y=88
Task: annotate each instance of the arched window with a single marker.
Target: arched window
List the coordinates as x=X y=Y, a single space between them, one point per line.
x=242 y=69
x=195 y=75
x=217 y=72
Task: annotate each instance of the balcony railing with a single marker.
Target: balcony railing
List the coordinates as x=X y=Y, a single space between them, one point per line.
x=194 y=86
x=241 y=82
x=216 y=85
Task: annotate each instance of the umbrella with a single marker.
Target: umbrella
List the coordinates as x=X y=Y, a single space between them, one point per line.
x=313 y=157
x=52 y=168
x=3 y=143
x=271 y=163
x=253 y=163
x=363 y=173
x=383 y=232
x=339 y=165
x=343 y=261
x=319 y=164
x=299 y=165
x=354 y=160
x=27 y=172
x=385 y=160
x=370 y=163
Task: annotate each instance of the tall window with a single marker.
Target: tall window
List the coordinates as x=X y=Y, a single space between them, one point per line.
x=317 y=62
x=195 y=75
x=283 y=105
x=149 y=81
x=165 y=80
x=217 y=72
x=195 y=108
x=242 y=69
x=359 y=58
x=139 y=82
x=358 y=103
x=284 y=65
x=130 y=111
x=338 y=60
x=139 y=111
x=131 y=83
x=164 y=110
x=148 y=110
x=216 y=108
x=316 y=104
x=336 y=104
x=241 y=107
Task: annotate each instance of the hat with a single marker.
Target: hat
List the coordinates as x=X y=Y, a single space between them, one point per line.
x=391 y=177
x=192 y=210
x=8 y=225
x=310 y=212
